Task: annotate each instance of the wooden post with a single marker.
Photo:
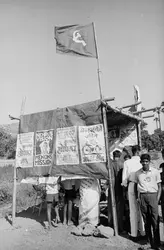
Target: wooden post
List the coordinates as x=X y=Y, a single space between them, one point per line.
x=138 y=128
x=14 y=187
x=14 y=196
x=106 y=143
x=159 y=119
x=156 y=120
x=111 y=188
x=15 y=169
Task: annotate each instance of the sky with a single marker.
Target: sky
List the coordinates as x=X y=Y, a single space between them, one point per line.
x=130 y=40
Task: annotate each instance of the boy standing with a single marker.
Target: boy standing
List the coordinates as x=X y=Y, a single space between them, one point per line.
x=149 y=191
x=69 y=188
x=52 y=195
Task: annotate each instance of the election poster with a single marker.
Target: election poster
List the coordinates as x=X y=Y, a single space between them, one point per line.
x=92 y=144
x=67 y=146
x=24 y=150
x=127 y=137
x=44 y=141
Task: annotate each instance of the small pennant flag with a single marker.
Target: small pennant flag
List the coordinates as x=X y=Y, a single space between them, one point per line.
x=76 y=40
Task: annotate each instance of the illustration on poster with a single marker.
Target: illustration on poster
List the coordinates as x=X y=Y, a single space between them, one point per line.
x=24 y=162
x=91 y=147
x=44 y=147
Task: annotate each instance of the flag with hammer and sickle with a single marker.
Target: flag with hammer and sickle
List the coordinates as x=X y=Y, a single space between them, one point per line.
x=76 y=40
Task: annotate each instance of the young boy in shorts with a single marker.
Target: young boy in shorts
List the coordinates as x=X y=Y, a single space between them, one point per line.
x=52 y=196
x=69 y=188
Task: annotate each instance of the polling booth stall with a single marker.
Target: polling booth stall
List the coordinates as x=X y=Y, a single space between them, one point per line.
x=70 y=142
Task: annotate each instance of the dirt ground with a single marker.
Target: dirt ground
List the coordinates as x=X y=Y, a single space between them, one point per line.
x=30 y=233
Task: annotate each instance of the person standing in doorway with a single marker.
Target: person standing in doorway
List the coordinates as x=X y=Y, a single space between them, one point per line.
x=69 y=188
x=52 y=198
x=149 y=191
x=131 y=166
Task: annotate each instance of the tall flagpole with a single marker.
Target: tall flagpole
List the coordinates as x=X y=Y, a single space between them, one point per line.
x=104 y=110
x=98 y=73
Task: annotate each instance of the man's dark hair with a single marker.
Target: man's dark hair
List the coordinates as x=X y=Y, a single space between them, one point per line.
x=46 y=175
x=127 y=156
x=116 y=153
x=145 y=157
x=135 y=149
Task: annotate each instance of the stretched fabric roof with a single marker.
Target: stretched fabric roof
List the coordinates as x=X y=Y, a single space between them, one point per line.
x=80 y=115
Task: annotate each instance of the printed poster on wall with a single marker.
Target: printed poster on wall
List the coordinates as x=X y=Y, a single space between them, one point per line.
x=67 y=146
x=127 y=137
x=44 y=141
x=92 y=143
x=24 y=150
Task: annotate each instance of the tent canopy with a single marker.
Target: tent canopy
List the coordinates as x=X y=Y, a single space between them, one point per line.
x=79 y=115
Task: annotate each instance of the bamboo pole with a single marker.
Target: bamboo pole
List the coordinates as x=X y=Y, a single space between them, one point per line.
x=143 y=111
x=138 y=128
x=111 y=188
x=14 y=196
x=14 y=183
x=131 y=105
x=159 y=118
x=156 y=120
x=148 y=116
x=15 y=169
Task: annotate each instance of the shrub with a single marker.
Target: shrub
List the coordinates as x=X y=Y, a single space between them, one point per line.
x=25 y=196
x=5 y=192
x=7 y=144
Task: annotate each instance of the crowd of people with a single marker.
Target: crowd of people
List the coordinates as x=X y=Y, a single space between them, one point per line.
x=141 y=187
x=138 y=188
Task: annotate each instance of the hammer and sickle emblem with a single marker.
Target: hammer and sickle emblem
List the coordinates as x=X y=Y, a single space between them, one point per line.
x=77 y=38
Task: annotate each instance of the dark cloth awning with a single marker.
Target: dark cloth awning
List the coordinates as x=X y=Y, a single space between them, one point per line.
x=80 y=115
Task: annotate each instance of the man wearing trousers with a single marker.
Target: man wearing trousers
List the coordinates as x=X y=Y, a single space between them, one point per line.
x=149 y=191
x=120 y=202
x=131 y=166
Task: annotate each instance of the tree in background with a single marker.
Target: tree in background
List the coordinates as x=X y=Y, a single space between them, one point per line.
x=7 y=144
x=160 y=134
x=146 y=140
x=154 y=141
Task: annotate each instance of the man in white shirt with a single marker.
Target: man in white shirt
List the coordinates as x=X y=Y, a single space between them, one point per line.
x=131 y=166
x=149 y=192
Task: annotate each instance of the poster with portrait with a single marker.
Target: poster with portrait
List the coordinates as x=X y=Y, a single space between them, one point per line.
x=92 y=144
x=24 y=150
x=44 y=141
x=67 y=146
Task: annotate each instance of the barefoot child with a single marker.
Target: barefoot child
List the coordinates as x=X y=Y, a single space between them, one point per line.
x=69 y=187
x=52 y=195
